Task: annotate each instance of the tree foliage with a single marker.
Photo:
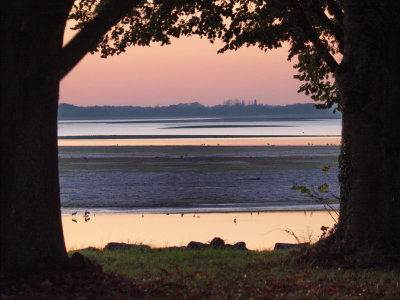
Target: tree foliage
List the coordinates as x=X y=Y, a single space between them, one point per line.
x=313 y=29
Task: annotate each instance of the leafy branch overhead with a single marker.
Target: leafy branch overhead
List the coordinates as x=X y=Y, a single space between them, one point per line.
x=312 y=28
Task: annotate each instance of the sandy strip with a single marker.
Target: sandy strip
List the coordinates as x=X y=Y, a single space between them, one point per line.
x=297 y=141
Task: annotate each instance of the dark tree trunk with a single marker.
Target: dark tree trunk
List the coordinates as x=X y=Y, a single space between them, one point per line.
x=370 y=161
x=32 y=241
x=33 y=61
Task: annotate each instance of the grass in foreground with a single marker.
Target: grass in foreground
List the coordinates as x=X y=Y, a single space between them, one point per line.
x=232 y=274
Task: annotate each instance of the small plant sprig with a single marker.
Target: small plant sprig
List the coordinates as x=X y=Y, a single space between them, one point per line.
x=319 y=195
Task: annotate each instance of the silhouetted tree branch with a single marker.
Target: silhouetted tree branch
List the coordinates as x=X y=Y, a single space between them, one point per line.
x=335 y=9
x=88 y=38
x=311 y=34
x=334 y=29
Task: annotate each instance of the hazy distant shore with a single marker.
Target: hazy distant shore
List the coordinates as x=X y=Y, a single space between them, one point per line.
x=232 y=109
x=203 y=119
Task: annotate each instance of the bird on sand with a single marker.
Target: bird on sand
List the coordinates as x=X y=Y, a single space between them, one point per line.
x=74 y=213
x=234 y=220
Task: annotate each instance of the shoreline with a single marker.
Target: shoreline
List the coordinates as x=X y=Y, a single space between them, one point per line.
x=66 y=211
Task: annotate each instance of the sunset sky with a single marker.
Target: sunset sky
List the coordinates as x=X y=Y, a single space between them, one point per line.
x=188 y=70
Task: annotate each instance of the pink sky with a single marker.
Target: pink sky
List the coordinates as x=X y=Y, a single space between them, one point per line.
x=188 y=70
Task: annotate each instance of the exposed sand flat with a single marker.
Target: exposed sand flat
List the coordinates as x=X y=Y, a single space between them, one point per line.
x=248 y=141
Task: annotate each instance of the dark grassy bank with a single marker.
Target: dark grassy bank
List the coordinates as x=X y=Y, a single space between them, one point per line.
x=233 y=274
x=179 y=273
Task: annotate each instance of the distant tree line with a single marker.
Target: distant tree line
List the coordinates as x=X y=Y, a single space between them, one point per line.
x=195 y=109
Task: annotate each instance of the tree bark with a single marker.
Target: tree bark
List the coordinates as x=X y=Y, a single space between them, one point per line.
x=370 y=160
x=33 y=62
x=32 y=239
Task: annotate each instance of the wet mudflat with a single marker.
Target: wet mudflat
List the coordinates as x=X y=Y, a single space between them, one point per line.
x=192 y=176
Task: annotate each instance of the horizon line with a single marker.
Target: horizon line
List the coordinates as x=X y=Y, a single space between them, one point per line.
x=186 y=103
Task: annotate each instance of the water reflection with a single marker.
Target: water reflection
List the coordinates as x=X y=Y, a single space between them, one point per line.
x=258 y=230
x=235 y=126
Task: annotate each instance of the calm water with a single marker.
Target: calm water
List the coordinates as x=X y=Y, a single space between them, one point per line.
x=195 y=126
x=258 y=230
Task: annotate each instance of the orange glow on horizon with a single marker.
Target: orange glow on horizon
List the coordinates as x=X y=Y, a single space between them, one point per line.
x=188 y=70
